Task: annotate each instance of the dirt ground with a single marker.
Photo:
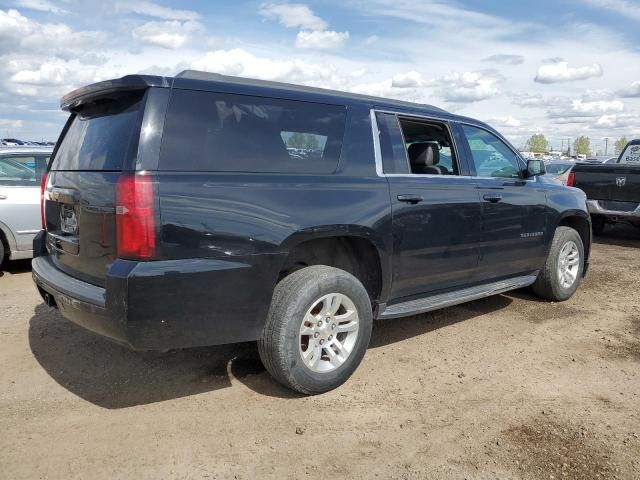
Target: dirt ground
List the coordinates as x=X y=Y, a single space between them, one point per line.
x=506 y=387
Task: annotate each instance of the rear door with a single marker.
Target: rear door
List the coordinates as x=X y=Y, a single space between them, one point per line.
x=514 y=220
x=436 y=217
x=99 y=142
x=20 y=176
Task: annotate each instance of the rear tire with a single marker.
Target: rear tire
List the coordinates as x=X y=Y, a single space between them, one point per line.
x=317 y=330
x=598 y=224
x=562 y=272
x=2 y=250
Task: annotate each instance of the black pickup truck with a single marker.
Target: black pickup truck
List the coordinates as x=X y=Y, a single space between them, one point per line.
x=612 y=189
x=204 y=209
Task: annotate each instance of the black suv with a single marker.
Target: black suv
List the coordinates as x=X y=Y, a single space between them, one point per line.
x=204 y=209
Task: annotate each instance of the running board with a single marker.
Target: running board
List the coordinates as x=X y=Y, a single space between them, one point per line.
x=421 y=305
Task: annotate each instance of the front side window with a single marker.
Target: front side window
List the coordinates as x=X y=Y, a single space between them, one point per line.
x=491 y=156
x=22 y=170
x=220 y=132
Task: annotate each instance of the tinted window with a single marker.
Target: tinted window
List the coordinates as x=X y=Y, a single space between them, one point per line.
x=22 y=170
x=557 y=168
x=101 y=137
x=394 y=154
x=238 y=133
x=491 y=156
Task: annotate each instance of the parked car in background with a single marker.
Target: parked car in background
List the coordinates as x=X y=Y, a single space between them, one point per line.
x=613 y=189
x=175 y=216
x=559 y=170
x=21 y=170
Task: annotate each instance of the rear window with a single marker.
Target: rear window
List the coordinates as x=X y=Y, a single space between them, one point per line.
x=22 y=170
x=557 y=168
x=239 y=133
x=631 y=155
x=102 y=136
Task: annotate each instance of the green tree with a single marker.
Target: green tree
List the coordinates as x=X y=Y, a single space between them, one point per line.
x=620 y=144
x=582 y=146
x=303 y=140
x=537 y=143
x=297 y=140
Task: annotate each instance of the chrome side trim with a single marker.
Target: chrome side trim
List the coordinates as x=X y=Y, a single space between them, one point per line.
x=435 y=302
x=377 y=150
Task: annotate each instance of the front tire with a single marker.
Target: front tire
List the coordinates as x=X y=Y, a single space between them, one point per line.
x=317 y=330
x=562 y=272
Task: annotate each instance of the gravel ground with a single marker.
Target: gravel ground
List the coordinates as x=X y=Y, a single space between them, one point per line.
x=506 y=387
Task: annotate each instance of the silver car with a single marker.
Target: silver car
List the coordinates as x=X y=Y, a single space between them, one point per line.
x=21 y=170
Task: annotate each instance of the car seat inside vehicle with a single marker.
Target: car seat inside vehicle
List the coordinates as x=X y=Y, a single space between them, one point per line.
x=429 y=148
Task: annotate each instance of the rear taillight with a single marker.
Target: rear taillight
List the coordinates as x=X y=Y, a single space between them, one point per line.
x=135 y=217
x=571 y=179
x=43 y=187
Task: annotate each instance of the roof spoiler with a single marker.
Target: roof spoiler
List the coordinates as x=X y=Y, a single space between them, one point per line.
x=128 y=83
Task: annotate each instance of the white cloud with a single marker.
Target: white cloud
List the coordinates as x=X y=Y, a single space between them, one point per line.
x=151 y=9
x=293 y=15
x=241 y=63
x=320 y=39
x=622 y=7
x=8 y=124
x=617 y=121
x=47 y=74
x=561 y=72
x=371 y=39
x=505 y=59
x=170 y=34
x=578 y=110
x=19 y=32
x=468 y=87
x=41 y=5
x=632 y=91
x=580 y=107
x=507 y=121
x=407 y=80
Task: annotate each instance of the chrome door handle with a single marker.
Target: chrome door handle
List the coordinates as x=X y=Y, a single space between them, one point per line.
x=410 y=198
x=3 y=197
x=492 y=198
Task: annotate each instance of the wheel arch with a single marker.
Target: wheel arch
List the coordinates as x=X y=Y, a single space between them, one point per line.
x=580 y=221
x=352 y=248
x=7 y=239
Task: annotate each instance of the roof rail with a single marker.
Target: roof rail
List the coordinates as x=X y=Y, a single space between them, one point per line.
x=218 y=77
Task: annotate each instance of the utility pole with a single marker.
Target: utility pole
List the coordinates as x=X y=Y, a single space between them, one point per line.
x=606 y=145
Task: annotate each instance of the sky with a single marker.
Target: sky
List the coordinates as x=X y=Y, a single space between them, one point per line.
x=563 y=68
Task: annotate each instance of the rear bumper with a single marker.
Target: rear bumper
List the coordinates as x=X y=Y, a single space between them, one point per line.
x=165 y=304
x=597 y=209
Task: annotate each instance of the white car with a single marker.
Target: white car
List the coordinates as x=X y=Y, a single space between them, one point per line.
x=21 y=170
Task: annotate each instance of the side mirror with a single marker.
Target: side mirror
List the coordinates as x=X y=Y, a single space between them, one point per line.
x=535 y=168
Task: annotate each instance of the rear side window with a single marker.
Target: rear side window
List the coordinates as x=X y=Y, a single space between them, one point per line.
x=22 y=170
x=102 y=136
x=219 y=132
